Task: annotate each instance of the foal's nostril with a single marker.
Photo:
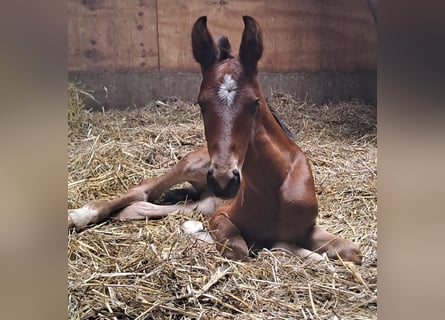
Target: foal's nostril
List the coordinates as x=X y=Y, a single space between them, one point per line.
x=236 y=178
x=224 y=184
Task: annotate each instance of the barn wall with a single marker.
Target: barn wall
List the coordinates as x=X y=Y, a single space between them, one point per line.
x=140 y=50
x=112 y=35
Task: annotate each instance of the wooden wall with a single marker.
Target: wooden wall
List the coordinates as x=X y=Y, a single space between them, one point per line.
x=153 y=36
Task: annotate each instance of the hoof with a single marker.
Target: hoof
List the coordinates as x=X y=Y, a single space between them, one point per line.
x=235 y=249
x=80 y=218
x=177 y=195
x=196 y=229
x=353 y=255
x=348 y=251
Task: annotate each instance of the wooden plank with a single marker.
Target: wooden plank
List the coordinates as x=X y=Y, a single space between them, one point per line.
x=349 y=36
x=136 y=89
x=175 y=21
x=112 y=35
x=299 y=35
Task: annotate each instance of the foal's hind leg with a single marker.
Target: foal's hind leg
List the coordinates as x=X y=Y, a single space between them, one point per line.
x=322 y=241
x=192 y=167
x=298 y=251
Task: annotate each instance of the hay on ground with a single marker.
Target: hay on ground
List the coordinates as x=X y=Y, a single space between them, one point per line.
x=152 y=270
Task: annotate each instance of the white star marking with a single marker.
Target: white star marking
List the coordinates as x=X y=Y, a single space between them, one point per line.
x=227 y=90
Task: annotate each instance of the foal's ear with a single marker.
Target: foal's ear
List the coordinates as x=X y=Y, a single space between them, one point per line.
x=204 y=48
x=251 y=47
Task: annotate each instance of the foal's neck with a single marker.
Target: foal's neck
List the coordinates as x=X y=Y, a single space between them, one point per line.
x=267 y=125
x=270 y=150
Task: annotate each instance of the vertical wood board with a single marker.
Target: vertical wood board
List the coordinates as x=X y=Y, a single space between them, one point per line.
x=112 y=35
x=303 y=35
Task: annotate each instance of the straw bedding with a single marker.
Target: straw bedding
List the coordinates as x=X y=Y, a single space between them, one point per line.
x=152 y=270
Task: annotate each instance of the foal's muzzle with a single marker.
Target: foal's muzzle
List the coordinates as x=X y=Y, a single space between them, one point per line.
x=226 y=185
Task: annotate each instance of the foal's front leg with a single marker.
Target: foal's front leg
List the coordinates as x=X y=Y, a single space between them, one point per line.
x=141 y=209
x=192 y=167
x=227 y=236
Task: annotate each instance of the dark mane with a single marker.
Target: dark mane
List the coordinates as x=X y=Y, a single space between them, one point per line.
x=225 y=50
x=281 y=123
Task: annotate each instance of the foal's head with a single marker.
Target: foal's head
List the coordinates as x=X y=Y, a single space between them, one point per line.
x=229 y=98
